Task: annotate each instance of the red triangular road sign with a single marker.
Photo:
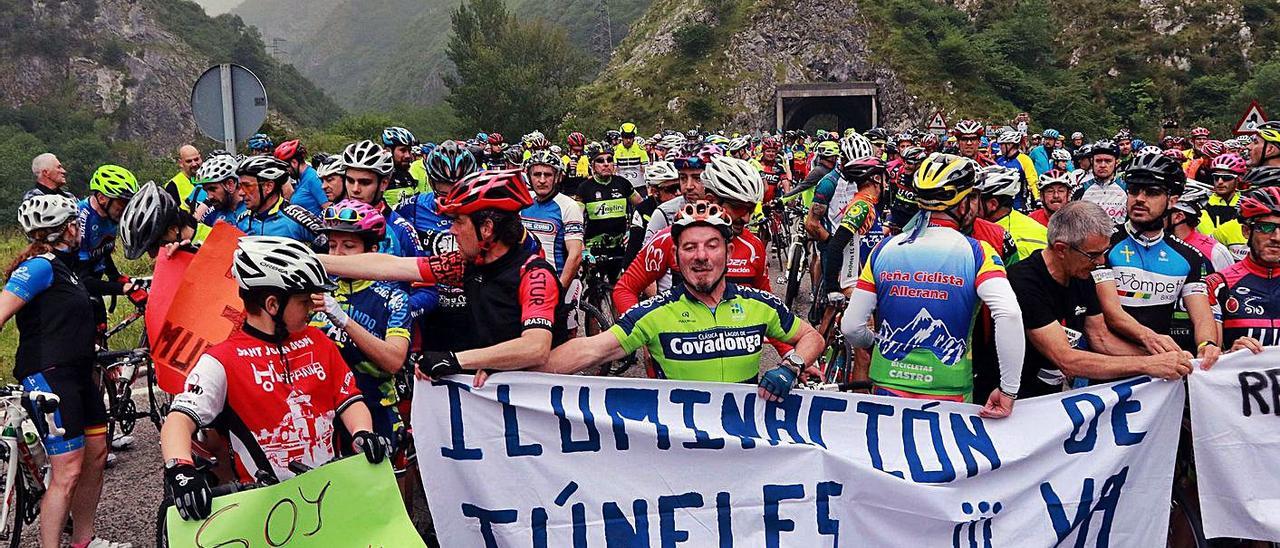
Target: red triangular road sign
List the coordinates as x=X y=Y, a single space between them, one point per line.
x=1249 y=121
x=937 y=122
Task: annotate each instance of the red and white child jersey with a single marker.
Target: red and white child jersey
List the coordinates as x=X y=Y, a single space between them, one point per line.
x=276 y=412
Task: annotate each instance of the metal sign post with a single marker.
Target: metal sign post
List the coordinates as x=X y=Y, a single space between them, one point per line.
x=229 y=103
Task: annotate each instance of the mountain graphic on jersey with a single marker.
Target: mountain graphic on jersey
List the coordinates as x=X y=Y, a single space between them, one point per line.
x=923 y=332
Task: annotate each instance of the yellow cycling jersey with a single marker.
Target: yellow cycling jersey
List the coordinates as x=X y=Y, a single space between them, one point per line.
x=1028 y=234
x=1231 y=234
x=579 y=168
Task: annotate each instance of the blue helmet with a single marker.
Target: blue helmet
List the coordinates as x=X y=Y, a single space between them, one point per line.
x=482 y=137
x=1051 y=134
x=259 y=142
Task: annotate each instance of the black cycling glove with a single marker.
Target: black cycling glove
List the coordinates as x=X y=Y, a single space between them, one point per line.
x=189 y=491
x=374 y=447
x=439 y=364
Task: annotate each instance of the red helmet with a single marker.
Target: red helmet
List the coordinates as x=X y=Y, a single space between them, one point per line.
x=968 y=128
x=495 y=138
x=502 y=190
x=290 y=150
x=577 y=140
x=1259 y=203
x=1200 y=132
x=770 y=143
x=1212 y=148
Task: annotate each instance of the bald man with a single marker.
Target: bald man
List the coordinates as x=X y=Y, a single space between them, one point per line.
x=181 y=186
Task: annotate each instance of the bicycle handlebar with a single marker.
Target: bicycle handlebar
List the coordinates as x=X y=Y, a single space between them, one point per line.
x=837 y=386
x=46 y=403
x=113 y=356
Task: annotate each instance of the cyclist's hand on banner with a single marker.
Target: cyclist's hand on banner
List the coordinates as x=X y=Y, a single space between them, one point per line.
x=1208 y=355
x=438 y=364
x=811 y=373
x=999 y=405
x=1170 y=365
x=375 y=447
x=189 y=491
x=481 y=376
x=1156 y=343
x=776 y=383
x=1254 y=345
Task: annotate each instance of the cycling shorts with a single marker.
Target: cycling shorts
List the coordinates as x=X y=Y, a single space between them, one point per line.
x=884 y=391
x=81 y=411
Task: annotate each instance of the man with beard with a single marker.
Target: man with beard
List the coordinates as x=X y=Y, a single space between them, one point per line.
x=1254 y=326
x=727 y=323
x=1055 y=192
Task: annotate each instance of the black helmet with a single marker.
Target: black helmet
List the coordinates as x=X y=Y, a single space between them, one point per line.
x=449 y=163
x=1261 y=177
x=1153 y=169
x=1105 y=146
x=877 y=135
x=145 y=220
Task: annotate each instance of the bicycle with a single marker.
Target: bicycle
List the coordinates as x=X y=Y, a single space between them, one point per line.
x=596 y=304
x=837 y=359
x=799 y=255
x=25 y=464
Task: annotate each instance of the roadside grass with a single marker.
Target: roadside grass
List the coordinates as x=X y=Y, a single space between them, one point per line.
x=12 y=242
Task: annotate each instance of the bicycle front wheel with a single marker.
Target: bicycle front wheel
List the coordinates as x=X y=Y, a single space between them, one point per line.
x=16 y=500
x=797 y=262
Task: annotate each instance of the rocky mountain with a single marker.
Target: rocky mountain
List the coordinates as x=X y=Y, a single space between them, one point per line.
x=218 y=7
x=129 y=66
x=378 y=55
x=1093 y=65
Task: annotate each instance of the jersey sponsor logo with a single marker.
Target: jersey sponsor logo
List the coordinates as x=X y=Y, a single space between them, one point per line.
x=1141 y=288
x=538 y=281
x=539 y=226
x=923 y=332
x=607 y=209
x=22 y=274
x=922 y=277
x=716 y=343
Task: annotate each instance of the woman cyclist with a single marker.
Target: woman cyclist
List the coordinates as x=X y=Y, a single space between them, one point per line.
x=56 y=332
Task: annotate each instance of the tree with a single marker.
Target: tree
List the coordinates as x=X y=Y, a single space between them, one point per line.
x=512 y=76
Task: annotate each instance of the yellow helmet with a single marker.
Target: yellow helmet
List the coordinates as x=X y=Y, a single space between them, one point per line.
x=943 y=180
x=827 y=149
x=1269 y=131
x=628 y=130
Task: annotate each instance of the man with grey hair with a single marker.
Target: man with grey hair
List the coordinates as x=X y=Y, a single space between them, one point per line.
x=51 y=177
x=1067 y=336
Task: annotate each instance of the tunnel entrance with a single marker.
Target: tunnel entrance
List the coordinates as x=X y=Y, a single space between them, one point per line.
x=830 y=106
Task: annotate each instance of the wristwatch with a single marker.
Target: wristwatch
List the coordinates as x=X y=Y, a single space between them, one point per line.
x=168 y=464
x=794 y=361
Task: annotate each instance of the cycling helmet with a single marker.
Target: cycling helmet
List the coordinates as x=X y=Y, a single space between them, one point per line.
x=216 y=170
x=827 y=149
x=47 y=211
x=1259 y=177
x=1200 y=132
x=577 y=140
x=1105 y=146
x=718 y=140
x=114 y=182
x=1260 y=203
x=1138 y=144
x=914 y=155
x=260 y=142
x=1175 y=154
x=660 y=172
x=1077 y=135
x=482 y=137
x=1212 y=148
x=732 y=179
x=1229 y=162
x=861 y=170
x=770 y=143
x=513 y=155
x=555 y=149
x=537 y=142
x=596 y=149
x=1009 y=137
x=495 y=139
x=331 y=166
x=877 y=135
x=282 y=264
x=1149 y=150
x=968 y=128
x=708 y=151
x=672 y=142
x=367 y=155
x=943 y=180
x=1269 y=131
x=1193 y=199
x=627 y=130
x=1122 y=135
x=1061 y=155
x=1051 y=134
x=290 y=150
x=502 y=190
x=930 y=141
x=1056 y=177
x=854 y=147
x=999 y=181
x=545 y=158
x=613 y=135
x=449 y=163
x=702 y=213
x=1155 y=170
x=147 y=217
x=1085 y=151
x=738 y=143
x=265 y=168
x=398 y=136
x=356 y=217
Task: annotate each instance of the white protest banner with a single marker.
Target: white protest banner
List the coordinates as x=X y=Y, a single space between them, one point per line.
x=1235 y=425
x=534 y=460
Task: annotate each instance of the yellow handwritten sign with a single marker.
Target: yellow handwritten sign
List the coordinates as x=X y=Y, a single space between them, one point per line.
x=345 y=503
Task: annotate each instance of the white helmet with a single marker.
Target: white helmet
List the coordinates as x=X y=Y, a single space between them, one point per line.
x=732 y=179
x=1151 y=149
x=659 y=172
x=1061 y=155
x=999 y=181
x=738 y=143
x=47 y=211
x=1195 y=195
x=1009 y=137
x=217 y=169
x=331 y=166
x=1056 y=177
x=285 y=264
x=854 y=146
x=671 y=142
x=367 y=155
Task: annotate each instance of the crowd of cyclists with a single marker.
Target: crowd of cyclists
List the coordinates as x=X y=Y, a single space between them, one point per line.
x=986 y=265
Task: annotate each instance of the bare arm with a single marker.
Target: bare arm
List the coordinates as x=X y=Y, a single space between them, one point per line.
x=572 y=261
x=583 y=352
x=530 y=349
x=1206 y=329
x=1125 y=325
x=808 y=342
x=1052 y=342
x=388 y=354
x=373 y=266
x=813 y=222
x=10 y=303
x=356 y=418
x=1103 y=341
x=175 y=436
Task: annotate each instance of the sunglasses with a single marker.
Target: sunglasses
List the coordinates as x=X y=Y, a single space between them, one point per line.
x=603 y=160
x=1223 y=176
x=345 y=214
x=1153 y=191
x=1265 y=227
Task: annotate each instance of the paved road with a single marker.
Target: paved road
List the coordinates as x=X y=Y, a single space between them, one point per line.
x=133 y=491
